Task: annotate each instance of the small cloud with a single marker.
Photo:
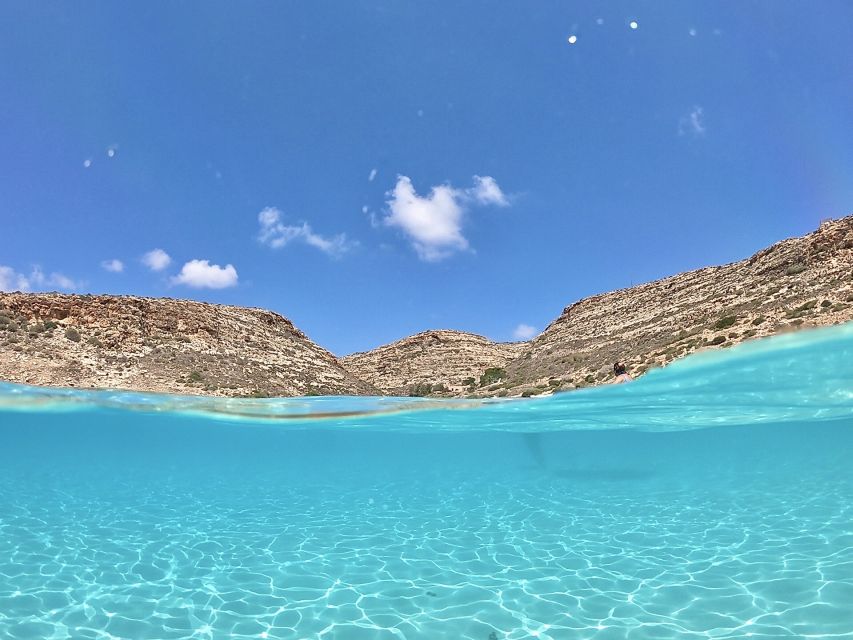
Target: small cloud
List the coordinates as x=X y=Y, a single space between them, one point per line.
x=11 y=280
x=691 y=31
x=200 y=274
x=524 y=332
x=55 y=279
x=87 y=163
x=599 y=21
x=433 y=223
x=692 y=123
x=156 y=260
x=113 y=266
x=275 y=234
x=371 y=216
x=372 y=175
x=487 y=191
x=61 y=281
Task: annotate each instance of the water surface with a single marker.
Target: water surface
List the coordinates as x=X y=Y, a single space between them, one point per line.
x=712 y=499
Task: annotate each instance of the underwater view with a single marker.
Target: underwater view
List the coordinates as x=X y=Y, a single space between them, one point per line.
x=387 y=320
x=709 y=499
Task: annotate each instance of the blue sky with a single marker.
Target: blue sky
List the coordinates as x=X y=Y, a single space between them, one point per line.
x=374 y=169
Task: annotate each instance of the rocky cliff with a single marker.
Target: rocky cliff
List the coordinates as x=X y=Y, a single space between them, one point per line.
x=151 y=344
x=796 y=283
x=432 y=362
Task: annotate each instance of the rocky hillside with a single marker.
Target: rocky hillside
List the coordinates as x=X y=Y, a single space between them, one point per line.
x=432 y=362
x=151 y=344
x=796 y=283
x=192 y=347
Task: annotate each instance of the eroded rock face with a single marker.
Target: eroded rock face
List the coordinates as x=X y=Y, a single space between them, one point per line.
x=797 y=283
x=446 y=360
x=153 y=344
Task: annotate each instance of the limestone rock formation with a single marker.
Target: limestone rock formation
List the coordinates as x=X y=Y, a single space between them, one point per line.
x=797 y=283
x=169 y=345
x=432 y=362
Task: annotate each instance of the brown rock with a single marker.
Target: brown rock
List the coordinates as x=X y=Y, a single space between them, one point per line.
x=796 y=283
x=438 y=358
x=152 y=344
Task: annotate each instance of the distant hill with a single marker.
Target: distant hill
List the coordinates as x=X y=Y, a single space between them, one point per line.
x=153 y=344
x=432 y=362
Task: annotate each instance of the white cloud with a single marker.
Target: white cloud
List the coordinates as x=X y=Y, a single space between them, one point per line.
x=203 y=275
x=692 y=123
x=371 y=216
x=114 y=265
x=60 y=280
x=156 y=260
x=11 y=280
x=36 y=277
x=433 y=223
x=524 y=332
x=487 y=191
x=274 y=233
x=372 y=175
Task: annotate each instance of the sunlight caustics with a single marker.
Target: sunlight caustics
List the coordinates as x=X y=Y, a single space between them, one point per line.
x=708 y=499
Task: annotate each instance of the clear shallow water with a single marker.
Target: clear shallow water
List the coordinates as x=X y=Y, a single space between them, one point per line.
x=713 y=499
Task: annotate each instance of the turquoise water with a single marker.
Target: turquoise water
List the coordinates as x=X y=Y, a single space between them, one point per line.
x=711 y=499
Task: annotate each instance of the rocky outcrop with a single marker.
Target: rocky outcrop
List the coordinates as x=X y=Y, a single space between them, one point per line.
x=153 y=344
x=432 y=362
x=797 y=283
